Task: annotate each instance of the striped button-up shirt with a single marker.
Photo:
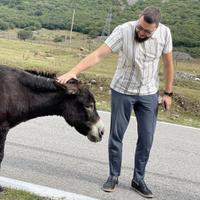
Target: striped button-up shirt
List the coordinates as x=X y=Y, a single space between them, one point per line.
x=137 y=68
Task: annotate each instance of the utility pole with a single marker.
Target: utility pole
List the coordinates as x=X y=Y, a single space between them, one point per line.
x=9 y=3
x=72 y=24
x=106 y=29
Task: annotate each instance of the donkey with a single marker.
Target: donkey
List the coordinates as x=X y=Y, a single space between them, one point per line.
x=26 y=95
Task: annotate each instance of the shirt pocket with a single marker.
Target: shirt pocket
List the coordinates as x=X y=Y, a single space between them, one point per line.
x=152 y=49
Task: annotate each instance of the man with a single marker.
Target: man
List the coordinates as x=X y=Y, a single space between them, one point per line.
x=134 y=86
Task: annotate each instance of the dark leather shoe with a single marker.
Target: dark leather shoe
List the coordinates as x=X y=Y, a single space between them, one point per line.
x=142 y=189
x=110 y=184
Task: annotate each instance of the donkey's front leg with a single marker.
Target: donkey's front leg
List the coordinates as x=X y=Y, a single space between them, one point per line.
x=3 y=133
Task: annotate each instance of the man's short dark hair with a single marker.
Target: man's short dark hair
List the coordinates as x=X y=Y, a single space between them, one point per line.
x=151 y=15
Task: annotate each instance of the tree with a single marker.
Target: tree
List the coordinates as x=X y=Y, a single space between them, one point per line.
x=3 y=25
x=24 y=34
x=93 y=33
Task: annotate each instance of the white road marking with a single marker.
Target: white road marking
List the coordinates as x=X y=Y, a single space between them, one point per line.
x=42 y=191
x=161 y=122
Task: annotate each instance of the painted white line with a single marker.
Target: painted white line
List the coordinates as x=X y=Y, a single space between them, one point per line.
x=179 y=125
x=42 y=191
x=161 y=122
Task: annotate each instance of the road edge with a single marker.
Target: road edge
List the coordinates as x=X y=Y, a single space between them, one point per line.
x=158 y=121
x=40 y=190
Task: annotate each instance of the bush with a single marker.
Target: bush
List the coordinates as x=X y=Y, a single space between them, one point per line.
x=24 y=34
x=3 y=25
x=35 y=25
x=11 y=26
x=59 y=38
x=38 y=13
x=93 y=34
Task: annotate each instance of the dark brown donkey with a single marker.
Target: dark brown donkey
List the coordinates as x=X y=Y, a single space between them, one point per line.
x=26 y=95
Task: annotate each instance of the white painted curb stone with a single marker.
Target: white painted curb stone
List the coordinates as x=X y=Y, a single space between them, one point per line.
x=42 y=191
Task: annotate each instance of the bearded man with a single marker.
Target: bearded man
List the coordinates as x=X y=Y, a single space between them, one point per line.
x=135 y=86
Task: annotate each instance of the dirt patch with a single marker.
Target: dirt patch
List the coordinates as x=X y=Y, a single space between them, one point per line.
x=184 y=104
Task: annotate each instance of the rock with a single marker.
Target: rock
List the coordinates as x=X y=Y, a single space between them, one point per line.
x=181 y=56
x=176 y=116
x=101 y=88
x=185 y=75
x=131 y=2
x=197 y=79
x=93 y=81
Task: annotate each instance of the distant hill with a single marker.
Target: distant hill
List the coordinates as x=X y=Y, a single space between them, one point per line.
x=182 y=16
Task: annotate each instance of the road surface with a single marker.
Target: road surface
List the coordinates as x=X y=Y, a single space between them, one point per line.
x=46 y=151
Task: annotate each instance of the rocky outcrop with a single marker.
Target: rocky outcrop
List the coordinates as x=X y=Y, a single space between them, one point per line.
x=131 y=2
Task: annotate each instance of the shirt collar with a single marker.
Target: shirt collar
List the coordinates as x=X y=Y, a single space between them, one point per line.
x=156 y=33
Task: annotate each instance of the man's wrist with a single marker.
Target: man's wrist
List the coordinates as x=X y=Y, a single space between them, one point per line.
x=74 y=72
x=170 y=94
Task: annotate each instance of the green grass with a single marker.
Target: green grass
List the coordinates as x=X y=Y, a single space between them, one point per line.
x=11 y=194
x=44 y=54
x=186 y=114
x=188 y=66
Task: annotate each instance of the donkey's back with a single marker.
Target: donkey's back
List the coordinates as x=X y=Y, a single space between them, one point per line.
x=14 y=95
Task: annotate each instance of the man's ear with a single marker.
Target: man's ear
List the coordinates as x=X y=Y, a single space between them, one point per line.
x=71 y=87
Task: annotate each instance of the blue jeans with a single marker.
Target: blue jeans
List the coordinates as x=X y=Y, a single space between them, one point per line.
x=145 y=108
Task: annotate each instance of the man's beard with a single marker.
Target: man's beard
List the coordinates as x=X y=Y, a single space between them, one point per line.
x=138 y=39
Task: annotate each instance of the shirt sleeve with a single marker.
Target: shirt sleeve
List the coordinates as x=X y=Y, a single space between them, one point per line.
x=114 y=41
x=168 y=42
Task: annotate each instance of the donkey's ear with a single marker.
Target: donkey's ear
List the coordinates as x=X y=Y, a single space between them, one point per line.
x=71 y=87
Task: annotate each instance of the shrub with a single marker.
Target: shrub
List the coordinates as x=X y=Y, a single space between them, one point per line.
x=93 y=34
x=59 y=38
x=3 y=25
x=24 y=34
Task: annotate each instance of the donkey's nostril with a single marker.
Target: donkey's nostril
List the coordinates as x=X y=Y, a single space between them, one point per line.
x=101 y=132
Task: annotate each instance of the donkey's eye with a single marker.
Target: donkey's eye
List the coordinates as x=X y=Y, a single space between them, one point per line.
x=89 y=107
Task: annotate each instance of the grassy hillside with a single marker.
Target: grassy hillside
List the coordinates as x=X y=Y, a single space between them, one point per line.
x=44 y=54
x=183 y=17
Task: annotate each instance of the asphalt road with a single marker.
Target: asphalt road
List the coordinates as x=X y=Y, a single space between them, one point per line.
x=46 y=151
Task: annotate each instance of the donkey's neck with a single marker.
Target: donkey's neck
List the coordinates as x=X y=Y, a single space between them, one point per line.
x=46 y=103
x=42 y=101
x=44 y=95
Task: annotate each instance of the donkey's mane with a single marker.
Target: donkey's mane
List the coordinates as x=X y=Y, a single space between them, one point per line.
x=39 y=81
x=42 y=73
